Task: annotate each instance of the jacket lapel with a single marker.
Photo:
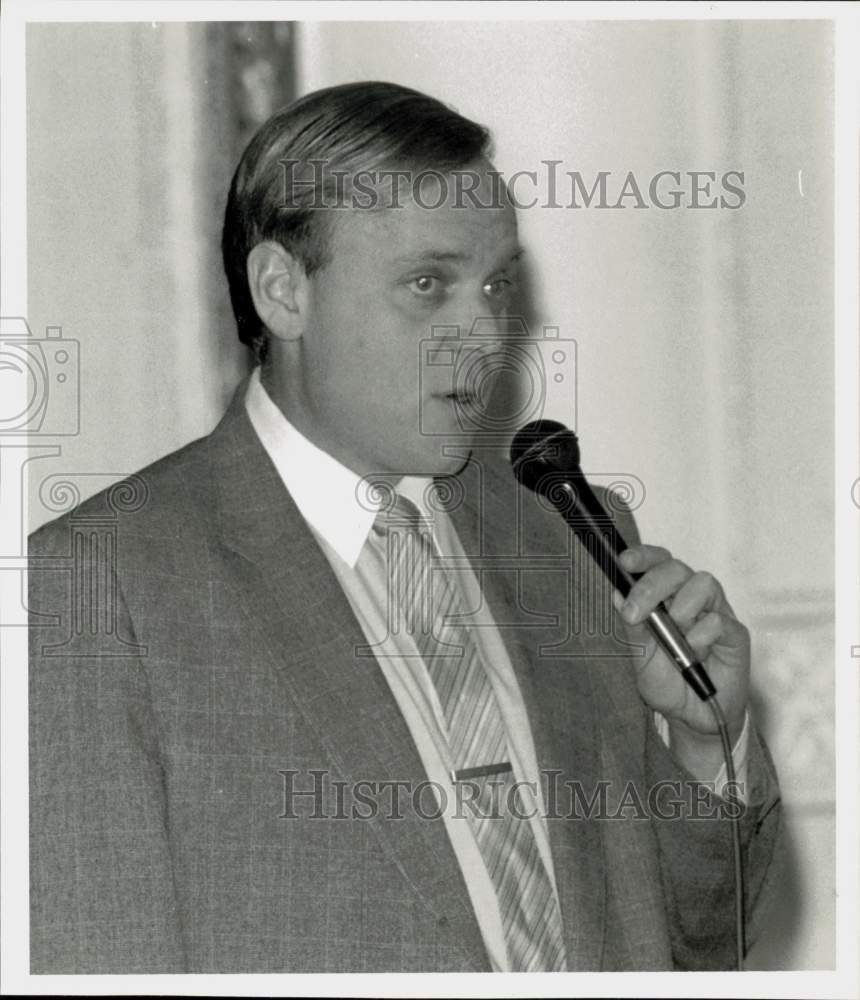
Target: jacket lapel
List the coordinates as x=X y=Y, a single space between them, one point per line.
x=310 y=631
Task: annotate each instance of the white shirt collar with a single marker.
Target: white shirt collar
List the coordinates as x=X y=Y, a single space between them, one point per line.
x=325 y=491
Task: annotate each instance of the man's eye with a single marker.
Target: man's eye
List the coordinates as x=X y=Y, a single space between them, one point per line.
x=425 y=284
x=499 y=288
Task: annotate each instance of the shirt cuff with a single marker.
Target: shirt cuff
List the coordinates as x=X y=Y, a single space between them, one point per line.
x=739 y=757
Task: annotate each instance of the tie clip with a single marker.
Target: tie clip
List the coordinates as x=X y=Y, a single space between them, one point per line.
x=481 y=772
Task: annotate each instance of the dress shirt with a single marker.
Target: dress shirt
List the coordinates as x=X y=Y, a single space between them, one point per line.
x=327 y=495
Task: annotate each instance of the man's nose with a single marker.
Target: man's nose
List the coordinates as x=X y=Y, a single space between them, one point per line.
x=500 y=330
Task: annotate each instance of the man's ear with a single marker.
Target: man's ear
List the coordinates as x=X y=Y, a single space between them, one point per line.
x=278 y=287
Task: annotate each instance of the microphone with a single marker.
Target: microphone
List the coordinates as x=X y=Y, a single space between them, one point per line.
x=545 y=459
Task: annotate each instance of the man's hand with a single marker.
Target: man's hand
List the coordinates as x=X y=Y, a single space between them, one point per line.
x=699 y=607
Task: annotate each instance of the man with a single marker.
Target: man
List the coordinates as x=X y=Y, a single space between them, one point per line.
x=337 y=707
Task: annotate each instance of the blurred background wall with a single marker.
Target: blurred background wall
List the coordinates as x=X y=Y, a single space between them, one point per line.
x=704 y=337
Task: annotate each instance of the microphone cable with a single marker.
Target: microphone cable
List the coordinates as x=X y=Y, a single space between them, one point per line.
x=734 y=820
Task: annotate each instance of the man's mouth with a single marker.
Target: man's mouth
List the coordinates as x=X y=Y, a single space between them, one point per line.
x=462 y=397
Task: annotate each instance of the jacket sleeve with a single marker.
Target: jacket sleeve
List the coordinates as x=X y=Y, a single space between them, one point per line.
x=695 y=848
x=101 y=884
x=697 y=861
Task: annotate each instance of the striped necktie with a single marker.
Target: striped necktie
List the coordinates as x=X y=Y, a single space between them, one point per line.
x=431 y=611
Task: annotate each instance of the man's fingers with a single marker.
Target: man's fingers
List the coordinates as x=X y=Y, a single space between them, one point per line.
x=640 y=558
x=700 y=593
x=707 y=631
x=660 y=583
x=719 y=629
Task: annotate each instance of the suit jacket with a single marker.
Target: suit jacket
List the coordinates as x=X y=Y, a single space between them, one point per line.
x=193 y=658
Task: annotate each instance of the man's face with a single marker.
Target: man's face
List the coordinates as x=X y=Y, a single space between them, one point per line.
x=375 y=395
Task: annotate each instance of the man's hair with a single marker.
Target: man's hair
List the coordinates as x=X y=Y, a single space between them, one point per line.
x=351 y=128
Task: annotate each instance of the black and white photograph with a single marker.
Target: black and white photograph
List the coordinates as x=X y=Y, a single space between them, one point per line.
x=430 y=493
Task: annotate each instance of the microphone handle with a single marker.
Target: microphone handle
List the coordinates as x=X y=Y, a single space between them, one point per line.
x=603 y=542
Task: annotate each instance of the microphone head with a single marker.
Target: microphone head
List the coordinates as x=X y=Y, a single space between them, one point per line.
x=543 y=447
